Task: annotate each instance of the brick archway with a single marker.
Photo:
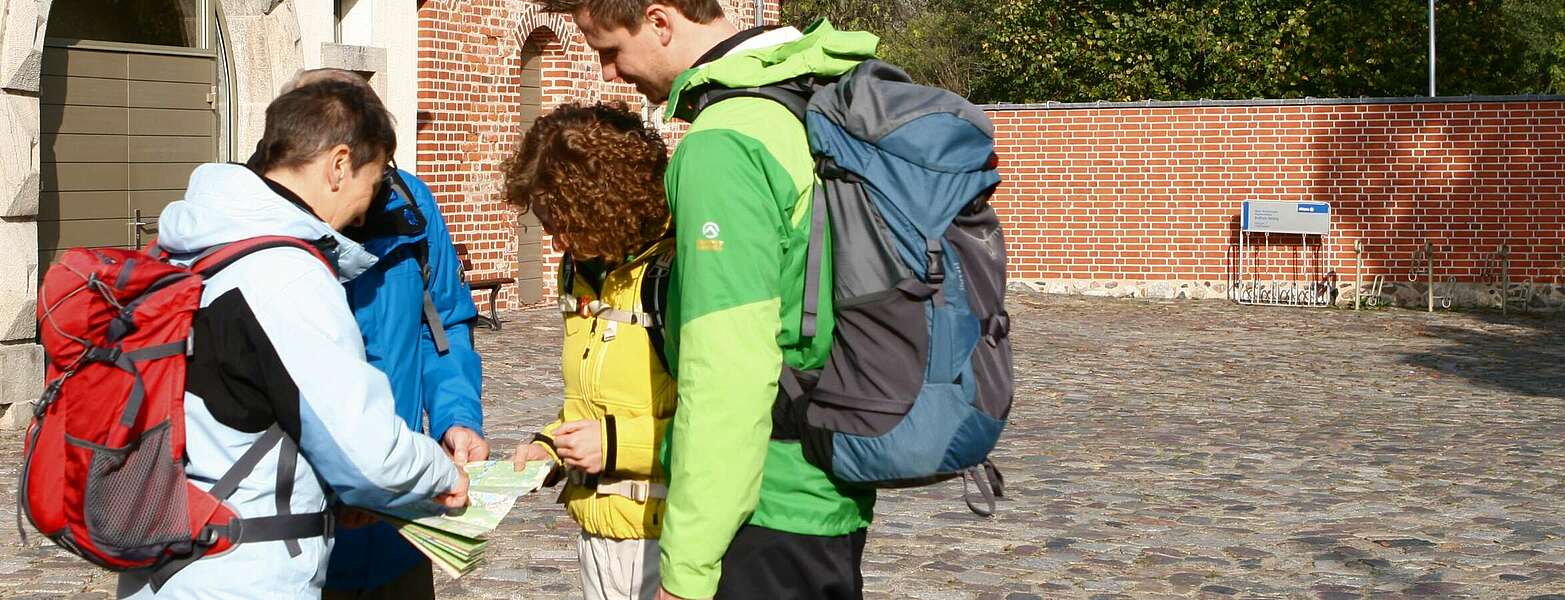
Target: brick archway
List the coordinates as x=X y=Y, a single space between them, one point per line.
x=542 y=67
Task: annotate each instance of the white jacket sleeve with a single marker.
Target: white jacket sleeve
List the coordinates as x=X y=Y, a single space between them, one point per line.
x=349 y=430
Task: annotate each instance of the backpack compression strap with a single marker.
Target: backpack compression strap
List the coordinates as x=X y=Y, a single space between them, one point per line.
x=284 y=527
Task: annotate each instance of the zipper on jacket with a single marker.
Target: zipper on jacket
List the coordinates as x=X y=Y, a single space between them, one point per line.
x=586 y=370
x=587 y=348
x=597 y=375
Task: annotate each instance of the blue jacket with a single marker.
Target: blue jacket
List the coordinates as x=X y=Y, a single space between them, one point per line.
x=388 y=303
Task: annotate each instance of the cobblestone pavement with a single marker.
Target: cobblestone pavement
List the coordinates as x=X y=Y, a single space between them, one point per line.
x=1159 y=449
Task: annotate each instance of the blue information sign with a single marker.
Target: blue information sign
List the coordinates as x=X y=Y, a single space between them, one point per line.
x=1274 y=216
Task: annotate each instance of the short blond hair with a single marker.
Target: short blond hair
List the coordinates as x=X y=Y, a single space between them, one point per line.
x=627 y=13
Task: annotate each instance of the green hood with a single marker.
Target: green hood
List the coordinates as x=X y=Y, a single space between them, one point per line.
x=822 y=51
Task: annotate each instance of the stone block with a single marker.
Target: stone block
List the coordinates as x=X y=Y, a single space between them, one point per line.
x=21 y=380
x=1161 y=290
x=21 y=44
x=18 y=280
x=368 y=59
x=19 y=155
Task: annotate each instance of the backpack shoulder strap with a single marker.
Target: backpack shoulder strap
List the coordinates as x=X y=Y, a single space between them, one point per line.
x=219 y=257
x=437 y=328
x=286 y=526
x=654 y=300
x=794 y=102
x=793 y=94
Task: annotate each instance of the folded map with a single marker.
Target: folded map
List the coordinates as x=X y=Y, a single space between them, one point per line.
x=454 y=539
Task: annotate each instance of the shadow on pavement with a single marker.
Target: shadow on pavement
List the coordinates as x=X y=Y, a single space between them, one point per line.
x=1523 y=354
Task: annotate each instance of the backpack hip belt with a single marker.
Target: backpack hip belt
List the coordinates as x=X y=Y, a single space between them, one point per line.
x=635 y=489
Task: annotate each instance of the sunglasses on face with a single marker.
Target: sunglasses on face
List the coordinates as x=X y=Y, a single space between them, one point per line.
x=383 y=189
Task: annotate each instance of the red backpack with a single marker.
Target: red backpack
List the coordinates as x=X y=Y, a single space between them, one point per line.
x=103 y=474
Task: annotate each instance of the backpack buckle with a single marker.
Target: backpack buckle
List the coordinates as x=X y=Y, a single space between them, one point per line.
x=100 y=354
x=583 y=308
x=50 y=394
x=997 y=327
x=208 y=536
x=827 y=169
x=937 y=266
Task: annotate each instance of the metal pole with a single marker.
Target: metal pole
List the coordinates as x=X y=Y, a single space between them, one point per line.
x=1431 y=48
x=1238 y=295
x=1505 y=278
x=760 y=12
x=1358 y=273
x=1429 y=271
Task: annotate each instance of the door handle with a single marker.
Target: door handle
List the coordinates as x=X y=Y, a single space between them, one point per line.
x=140 y=226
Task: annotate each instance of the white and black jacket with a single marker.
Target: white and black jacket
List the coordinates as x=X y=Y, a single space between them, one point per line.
x=275 y=342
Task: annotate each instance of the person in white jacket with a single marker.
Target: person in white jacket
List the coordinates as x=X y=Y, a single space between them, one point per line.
x=276 y=345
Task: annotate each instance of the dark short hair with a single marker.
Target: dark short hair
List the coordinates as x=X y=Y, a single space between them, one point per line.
x=627 y=13
x=311 y=119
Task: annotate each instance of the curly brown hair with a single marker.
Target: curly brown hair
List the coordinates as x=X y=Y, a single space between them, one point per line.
x=594 y=176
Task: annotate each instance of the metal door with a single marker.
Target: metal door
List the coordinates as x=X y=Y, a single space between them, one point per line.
x=123 y=124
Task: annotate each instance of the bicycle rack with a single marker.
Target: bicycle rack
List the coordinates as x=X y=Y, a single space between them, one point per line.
x=1361 y=298
x=1498 y=276
x=1307 y=222
x=1427 y=255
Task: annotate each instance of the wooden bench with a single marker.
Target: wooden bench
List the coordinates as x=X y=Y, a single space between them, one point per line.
x=492 y=284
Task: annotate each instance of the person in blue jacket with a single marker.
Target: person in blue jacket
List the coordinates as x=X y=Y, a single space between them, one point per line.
x=424 y=346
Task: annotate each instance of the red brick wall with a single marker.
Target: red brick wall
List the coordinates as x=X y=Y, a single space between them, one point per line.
x=1102 y=193
x=1141 y=193
x=470 y=111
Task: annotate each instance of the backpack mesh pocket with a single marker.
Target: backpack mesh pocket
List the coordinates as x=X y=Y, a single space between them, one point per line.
x=136 y=503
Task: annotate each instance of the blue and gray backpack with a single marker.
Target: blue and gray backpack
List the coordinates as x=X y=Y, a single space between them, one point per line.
x=919 y=383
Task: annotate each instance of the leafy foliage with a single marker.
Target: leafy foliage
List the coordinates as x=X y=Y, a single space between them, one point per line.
x=1084 y=50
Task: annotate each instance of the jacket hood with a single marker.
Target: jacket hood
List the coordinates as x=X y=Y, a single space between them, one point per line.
x=226 y=203
x=822 y=51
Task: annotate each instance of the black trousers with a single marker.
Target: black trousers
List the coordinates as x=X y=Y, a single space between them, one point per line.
x=768 y=564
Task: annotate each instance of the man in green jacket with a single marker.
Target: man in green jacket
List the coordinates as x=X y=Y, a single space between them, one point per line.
x=747 y=516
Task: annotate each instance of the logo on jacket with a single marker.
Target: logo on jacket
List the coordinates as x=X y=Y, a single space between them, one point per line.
x=710 y=231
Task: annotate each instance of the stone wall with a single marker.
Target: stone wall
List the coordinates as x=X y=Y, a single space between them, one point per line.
x=1143 y=199
x=21 y=54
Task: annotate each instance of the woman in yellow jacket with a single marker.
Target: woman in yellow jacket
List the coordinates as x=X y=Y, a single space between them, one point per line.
x=593 y=175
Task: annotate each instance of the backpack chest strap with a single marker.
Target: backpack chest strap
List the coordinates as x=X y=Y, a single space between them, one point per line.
x=636 y=490
x=585 y=307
